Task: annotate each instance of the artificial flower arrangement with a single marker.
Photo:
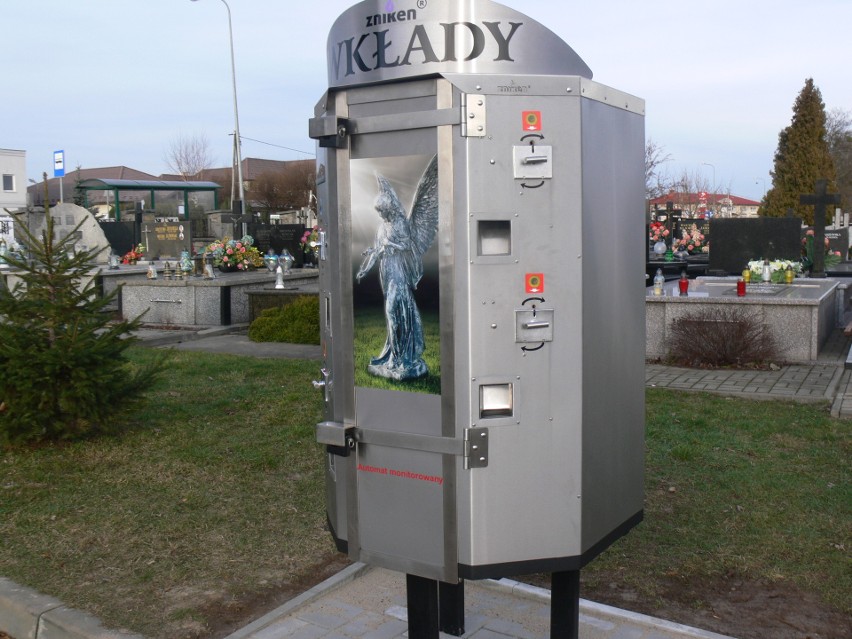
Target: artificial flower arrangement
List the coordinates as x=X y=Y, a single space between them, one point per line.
x=777 y=269
x=692 y=241
x=658 y=232
x=134 y=254
x=240 y=254
x=309 y=239
x=831 y=257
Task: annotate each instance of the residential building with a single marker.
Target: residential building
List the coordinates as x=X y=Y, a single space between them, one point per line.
x=100 y=203
x=701 y=204
x=13 y=189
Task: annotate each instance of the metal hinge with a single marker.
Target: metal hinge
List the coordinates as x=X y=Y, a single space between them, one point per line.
x=475 y=448
x=473 y=115
x=331 y=132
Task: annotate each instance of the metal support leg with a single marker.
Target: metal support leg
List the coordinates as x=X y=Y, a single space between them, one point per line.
x=565 y=604
x=422 y=597
x=451 y=607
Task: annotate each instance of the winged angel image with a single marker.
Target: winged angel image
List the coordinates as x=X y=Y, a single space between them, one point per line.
x=401 y=241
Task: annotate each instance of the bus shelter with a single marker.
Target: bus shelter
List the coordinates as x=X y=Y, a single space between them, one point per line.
x=152 y=187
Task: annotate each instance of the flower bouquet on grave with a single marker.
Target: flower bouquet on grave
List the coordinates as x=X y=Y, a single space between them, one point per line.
x=777 y=270
x=691 y=241
x=831 y=257
x=134 y=254
x=235 y=255
x=310 y=244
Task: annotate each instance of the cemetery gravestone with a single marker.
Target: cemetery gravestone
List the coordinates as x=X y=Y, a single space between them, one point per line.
x=278 y=237
x=66 y=217
x=818 y=199
x=838 y=239
x=737 y=241
x=165 y=237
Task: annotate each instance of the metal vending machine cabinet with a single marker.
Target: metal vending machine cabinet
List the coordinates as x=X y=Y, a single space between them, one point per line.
x=482 y=288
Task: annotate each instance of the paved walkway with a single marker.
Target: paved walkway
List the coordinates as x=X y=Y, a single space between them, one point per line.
x=824 y=380
x=363 y=602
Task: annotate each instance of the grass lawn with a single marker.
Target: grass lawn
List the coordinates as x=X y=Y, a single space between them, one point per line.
x=214 y=498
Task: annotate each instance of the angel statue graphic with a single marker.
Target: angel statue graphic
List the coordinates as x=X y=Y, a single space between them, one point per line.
x=401 y=241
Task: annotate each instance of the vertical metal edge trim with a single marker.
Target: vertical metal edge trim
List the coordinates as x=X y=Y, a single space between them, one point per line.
x=446 y=260
x=345 y=337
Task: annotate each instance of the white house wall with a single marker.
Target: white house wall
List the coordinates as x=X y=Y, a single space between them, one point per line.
x=12 y=163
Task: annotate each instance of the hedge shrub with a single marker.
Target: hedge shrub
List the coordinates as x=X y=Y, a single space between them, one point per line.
x=296 y=323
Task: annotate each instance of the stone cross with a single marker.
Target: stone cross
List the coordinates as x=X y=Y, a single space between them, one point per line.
x=818 y=199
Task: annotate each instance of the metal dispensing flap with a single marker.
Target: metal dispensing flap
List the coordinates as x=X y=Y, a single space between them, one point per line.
x=381 y=40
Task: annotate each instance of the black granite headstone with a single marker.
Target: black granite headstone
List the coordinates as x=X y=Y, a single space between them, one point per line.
x=737 y=241
x=278 y=237
x=838 y=239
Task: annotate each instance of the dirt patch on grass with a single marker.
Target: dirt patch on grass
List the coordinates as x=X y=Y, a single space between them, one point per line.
x=225 y=615
x=750 y=610
x=730 y=606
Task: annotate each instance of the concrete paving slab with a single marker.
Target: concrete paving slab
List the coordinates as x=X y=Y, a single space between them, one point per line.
x=370 y=603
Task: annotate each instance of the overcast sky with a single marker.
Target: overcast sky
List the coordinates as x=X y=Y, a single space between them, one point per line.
x=115 y=82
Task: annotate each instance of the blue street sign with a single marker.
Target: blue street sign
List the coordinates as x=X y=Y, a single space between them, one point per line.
x=58 y=163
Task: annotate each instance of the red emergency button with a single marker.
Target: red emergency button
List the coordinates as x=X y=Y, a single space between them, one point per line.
x=535 y=282
x=531 y=120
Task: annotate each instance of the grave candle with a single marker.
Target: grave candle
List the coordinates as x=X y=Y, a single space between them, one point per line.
x=683 y=284
x=659 y=282
x=741 y=287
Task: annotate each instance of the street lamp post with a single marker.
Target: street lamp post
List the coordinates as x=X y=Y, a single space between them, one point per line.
x=237 y=139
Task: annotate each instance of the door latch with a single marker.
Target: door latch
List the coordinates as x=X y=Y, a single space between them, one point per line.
x=325 y=383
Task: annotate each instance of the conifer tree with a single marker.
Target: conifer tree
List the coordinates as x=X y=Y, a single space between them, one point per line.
x=802 y=158
x=63 y=369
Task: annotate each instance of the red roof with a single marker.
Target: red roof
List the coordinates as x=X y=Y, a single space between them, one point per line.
x=701 y=198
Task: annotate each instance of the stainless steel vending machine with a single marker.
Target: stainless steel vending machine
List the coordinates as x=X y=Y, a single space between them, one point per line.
x=481 y=253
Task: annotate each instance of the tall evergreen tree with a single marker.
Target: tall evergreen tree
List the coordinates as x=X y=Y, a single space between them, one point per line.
x=802 y=157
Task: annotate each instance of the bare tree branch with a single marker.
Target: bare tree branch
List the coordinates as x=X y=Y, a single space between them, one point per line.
x=189 y=155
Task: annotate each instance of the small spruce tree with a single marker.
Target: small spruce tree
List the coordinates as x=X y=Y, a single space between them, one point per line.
x=63 y=369
x=802 y=158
